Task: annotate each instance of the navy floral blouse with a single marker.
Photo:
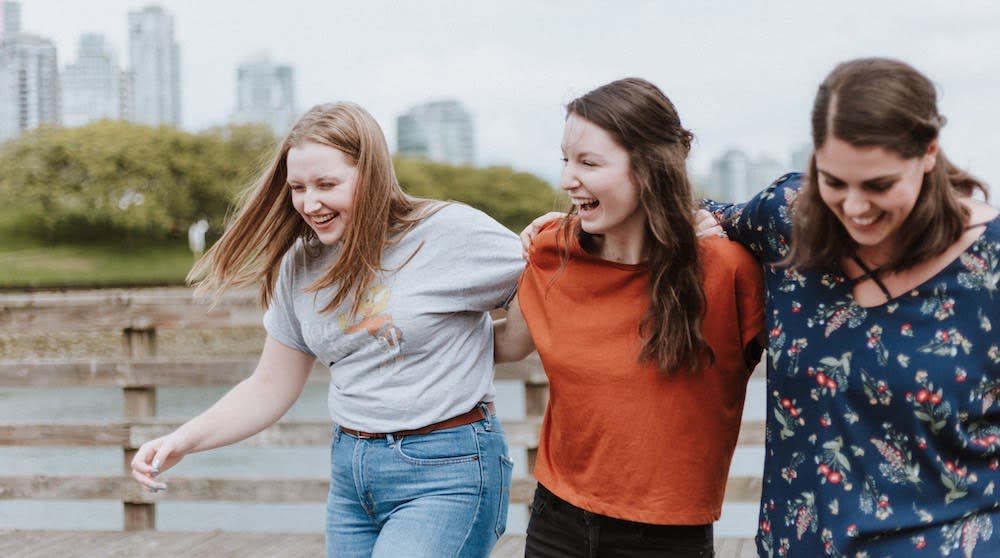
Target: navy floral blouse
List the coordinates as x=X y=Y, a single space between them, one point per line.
x=883 y=423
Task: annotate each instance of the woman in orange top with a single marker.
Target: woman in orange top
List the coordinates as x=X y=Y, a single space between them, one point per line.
x=647 y=334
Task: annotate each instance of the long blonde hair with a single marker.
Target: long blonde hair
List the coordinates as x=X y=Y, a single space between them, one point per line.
x=266 y=224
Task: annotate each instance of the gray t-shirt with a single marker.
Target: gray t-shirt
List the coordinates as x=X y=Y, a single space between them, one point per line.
x=421 y=348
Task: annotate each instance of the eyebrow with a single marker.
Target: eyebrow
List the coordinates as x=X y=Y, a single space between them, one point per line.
x=869 y=182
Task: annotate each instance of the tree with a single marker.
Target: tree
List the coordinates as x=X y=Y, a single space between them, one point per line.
x=113 y=179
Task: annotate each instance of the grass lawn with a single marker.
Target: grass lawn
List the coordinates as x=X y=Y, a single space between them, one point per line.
x=28 y=263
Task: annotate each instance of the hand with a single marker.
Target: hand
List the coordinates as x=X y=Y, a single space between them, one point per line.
x=153 y=458
x=531 y=231
x=705 y=224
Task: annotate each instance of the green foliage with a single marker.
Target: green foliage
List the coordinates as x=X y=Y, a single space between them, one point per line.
x=116 y=180
x=112 y=180
x=511 y=197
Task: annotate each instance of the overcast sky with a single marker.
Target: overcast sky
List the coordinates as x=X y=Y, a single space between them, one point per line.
x=741 y=73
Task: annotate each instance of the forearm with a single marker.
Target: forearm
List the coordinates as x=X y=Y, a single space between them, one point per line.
x=252 y=405
x=511 y=338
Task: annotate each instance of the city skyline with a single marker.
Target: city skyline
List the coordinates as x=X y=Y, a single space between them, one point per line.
x=741 y=74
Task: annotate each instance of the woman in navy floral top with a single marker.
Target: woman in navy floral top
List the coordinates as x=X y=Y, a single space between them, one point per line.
x=883 y=285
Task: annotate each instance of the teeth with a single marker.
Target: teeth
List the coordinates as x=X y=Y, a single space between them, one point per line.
x=587 y=204
x=864 y=222
x=323 y=219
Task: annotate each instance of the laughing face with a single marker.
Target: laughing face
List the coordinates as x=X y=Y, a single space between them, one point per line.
x=872 y=191
x=597 y=176
x=322 y=181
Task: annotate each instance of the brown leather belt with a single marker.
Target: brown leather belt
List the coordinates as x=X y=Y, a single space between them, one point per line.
x=469 y=417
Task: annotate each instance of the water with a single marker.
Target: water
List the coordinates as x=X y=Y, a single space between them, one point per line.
x=738 y=520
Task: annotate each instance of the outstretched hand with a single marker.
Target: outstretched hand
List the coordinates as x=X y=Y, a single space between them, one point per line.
x=153 y=458
x=531 y=231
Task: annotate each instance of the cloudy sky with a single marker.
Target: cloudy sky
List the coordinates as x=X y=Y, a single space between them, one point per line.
x=742 y=73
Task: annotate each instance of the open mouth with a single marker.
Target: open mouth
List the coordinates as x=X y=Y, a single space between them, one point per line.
x=324 y=219
x=589 y=205
x=865 y=221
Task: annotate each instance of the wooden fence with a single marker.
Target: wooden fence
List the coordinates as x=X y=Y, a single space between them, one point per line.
x=139 y=318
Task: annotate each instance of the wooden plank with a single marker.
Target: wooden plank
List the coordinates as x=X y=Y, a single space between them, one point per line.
x=131 y=434
x=124 y=372
x=117 y=309
x=123 y=487
x=211 y=544
x=165 y=371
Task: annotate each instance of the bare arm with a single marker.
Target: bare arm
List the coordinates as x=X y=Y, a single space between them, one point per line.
x=251 y=406
x=511 y=338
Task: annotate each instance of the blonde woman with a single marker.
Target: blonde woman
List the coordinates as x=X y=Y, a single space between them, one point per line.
x=393 y=294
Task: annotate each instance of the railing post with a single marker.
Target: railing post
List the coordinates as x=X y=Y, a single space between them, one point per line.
x=536 y=397
x=138 y=402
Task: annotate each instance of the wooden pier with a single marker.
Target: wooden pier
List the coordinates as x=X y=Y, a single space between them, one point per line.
x=138 y=321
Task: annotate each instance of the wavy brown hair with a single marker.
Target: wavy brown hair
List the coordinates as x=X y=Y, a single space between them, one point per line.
x=644 y=122
x=879 y=102
x=266 y=224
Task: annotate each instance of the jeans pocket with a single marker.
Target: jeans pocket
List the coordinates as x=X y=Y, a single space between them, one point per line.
x=506 y=472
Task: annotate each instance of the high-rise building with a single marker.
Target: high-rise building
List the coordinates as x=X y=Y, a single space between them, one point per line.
x=265 y=93
x=29 y=84
x=91 y=86
x=11 y=19
x=730 y=176
x=154 y=68
x=439 y=131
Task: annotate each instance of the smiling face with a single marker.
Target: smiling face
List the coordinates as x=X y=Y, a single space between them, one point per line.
x=597 y=176
x=322 y=182
x=871 y=191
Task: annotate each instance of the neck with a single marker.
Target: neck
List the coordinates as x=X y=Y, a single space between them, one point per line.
x=621 y=250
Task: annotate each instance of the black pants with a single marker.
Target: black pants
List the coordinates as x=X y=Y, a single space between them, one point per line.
x=558 y=529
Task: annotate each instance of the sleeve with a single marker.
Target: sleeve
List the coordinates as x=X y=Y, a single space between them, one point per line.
x=762 y=224
x=480 y=258
x=750 y=302
x=280 y=320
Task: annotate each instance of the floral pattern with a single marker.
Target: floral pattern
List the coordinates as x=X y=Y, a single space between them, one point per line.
x=883 y=433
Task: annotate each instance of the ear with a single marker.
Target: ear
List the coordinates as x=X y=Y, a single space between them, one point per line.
x=930 y=158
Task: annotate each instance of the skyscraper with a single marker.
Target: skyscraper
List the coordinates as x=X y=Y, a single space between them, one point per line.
x=91 y=86
x=29 y=84
x=440 y=131
x=154 y=72
x=265 y=93
x=11 y=19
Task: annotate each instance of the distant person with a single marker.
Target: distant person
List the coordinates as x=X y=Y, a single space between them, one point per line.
x=647 y=335
x=196 y=237
x=393 y=294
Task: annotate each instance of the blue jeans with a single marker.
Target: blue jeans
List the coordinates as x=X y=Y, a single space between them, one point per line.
x=437 y=495
x=558 y=529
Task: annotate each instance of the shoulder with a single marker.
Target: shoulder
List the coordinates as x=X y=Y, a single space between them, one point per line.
x=722 y=254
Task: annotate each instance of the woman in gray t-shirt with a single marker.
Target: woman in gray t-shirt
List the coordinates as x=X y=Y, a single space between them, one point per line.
x=393 y=294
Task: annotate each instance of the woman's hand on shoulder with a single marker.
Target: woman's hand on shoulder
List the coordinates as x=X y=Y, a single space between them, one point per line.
x=531 y=231
x=705 y=224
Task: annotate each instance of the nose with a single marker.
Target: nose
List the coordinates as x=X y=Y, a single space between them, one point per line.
x=855 y=202
x=568 y=182
x=311 y=203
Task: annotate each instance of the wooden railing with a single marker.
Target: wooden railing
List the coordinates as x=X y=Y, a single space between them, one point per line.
x=139 y=318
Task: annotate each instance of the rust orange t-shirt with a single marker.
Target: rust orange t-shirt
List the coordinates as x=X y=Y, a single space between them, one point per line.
x=620 y=438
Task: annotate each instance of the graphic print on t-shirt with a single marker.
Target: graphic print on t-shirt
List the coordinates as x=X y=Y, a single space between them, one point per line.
x=377 y=324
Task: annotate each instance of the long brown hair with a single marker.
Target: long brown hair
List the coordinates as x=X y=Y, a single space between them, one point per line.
x=878 y=102
x=266 y=224
x=644 y=122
